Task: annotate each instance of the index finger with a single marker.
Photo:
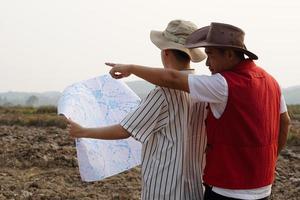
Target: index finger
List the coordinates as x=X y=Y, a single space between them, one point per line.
x=110 y=64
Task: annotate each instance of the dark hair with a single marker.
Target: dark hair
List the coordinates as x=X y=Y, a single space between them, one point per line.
x=181 y=56
x=239 y=54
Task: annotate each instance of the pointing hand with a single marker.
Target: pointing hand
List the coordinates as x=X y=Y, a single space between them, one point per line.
x=119 y=70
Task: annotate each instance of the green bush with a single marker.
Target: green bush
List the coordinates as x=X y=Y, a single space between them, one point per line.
x=17 y=110
x=46 y=109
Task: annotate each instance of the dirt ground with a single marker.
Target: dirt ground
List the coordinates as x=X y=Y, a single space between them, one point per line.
x=40 y=163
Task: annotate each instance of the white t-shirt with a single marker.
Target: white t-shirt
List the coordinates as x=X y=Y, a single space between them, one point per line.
x=214 y=90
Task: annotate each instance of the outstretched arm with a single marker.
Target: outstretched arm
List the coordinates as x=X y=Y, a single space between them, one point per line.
x=113 y=132
x=162 y=77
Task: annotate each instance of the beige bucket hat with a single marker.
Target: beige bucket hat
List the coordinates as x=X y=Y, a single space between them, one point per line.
x=174 y=37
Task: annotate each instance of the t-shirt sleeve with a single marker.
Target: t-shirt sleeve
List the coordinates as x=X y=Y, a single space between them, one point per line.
x=149 y=117
x=211 y=89
x=283 y=107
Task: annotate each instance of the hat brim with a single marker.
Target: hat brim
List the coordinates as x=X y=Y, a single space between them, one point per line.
x=162 y=43
x=206 y=44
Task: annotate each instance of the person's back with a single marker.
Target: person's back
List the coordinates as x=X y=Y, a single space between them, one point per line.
x=164 y=147
x=254 y=99
x=163 y=123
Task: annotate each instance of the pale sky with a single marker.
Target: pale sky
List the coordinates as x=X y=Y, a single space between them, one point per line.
x=46 y=45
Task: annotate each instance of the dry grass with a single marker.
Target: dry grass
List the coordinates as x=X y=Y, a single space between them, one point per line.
x=45 y=116
x=294 y=112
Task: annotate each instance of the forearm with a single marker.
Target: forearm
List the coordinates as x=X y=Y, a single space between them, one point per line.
x=283 y=131
x=105 y=133
x=162 y=77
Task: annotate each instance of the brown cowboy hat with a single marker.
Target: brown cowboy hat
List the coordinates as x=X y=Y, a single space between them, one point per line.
x=219 y=35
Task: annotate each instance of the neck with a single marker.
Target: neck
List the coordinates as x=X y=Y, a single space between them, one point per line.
x=179 y=66
x=235 y=62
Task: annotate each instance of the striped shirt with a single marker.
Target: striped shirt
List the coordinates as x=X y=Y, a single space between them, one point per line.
x=171 y=130
x=194 y=159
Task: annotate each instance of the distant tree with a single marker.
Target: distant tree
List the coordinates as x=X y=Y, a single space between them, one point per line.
x=4 y=102
x=32 y=101
x=7 y=104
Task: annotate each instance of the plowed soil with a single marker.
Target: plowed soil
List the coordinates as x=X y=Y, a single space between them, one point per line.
x=40 y=163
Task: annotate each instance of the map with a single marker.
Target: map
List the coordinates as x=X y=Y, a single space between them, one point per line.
x=101 y=101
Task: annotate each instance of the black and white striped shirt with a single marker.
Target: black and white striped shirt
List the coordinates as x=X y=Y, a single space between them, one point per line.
x=171 y=129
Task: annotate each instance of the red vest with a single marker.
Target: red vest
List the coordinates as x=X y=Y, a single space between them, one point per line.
x=242 y=143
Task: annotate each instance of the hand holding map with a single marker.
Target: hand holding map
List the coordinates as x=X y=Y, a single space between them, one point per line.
x=96 y=102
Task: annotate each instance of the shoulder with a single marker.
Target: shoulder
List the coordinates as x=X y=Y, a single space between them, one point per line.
x=206 y=78
x=155 y=95
x=170 y=93
x=157 y=91
x=204 y=82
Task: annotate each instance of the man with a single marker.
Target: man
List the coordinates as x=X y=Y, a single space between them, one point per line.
x=247 y=124
x=167 y=123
